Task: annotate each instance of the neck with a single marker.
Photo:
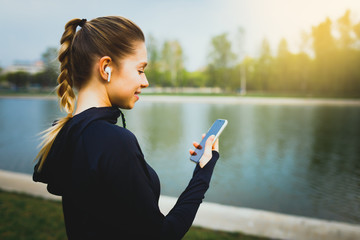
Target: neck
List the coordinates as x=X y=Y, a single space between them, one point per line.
x=93 y=94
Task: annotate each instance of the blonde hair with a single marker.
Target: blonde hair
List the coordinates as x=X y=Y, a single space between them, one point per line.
x=111 y=36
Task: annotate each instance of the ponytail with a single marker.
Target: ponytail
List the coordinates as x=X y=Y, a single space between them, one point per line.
x=64 y=90
x=112 y=36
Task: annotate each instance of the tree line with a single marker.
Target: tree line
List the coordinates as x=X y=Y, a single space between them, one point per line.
x=327 y=64
x=47 y=78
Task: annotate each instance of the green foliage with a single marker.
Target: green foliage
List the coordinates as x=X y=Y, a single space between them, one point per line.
x=332 y=72
x=172 y=64
x=166 y=65
x=153 y=69
x=221 y=55
x=221 y=60
x=335 y=69
x=47 y=78
x=2 y=76
x=51 y=63
x=195 y=79
x=19 y=79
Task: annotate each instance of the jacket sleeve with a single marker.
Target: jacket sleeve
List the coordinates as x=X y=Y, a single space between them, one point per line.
x=124 y=173
x=179 y=219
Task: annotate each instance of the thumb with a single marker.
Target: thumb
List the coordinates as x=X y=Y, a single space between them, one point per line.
x=209 y=142
x=207 y=151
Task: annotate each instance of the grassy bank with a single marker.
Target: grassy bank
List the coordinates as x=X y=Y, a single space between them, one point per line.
x=26 y=217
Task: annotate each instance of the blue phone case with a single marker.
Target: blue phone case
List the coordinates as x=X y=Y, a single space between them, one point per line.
x=216 y=129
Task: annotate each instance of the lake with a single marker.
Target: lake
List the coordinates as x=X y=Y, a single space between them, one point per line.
x=295 y=159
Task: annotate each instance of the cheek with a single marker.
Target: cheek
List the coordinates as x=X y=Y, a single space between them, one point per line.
x=134 y=80
x=127 y=83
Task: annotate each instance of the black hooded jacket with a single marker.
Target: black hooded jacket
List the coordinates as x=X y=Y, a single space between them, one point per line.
x=108 y=190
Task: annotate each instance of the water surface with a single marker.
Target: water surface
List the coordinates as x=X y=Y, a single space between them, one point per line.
x=302 y=160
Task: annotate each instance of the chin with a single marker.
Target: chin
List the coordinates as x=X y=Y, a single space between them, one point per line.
x=129 y=106
x=125 y=105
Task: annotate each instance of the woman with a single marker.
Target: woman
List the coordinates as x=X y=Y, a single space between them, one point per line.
x=108 y=190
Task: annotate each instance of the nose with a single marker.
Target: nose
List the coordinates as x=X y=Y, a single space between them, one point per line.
x=144 y=82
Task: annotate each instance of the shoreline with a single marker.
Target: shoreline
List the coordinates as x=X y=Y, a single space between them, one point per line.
x=240 y=100
x=220 y=217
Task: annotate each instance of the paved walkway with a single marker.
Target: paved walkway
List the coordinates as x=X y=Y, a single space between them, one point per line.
x=252 y=100
x=228 y=100
x=221 y=217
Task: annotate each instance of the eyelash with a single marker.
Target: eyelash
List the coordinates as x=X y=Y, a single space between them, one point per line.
x=140 y=72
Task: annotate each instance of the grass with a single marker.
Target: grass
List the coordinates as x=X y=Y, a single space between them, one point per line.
x=27 y=217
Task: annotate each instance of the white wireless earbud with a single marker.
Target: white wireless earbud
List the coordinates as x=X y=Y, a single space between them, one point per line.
x=108 y=71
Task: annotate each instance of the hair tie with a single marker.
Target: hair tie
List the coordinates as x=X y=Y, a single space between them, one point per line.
x=82 y=22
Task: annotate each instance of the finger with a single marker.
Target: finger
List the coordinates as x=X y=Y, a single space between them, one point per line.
x=207 y=155
x=209 y=142
x=215 y=146
x=197 y=145
x=192 y=152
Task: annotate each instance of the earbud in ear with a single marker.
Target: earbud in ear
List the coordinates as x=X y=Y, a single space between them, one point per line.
x=108 y=71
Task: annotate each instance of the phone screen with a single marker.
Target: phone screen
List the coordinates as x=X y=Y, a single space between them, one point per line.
x=216 y=129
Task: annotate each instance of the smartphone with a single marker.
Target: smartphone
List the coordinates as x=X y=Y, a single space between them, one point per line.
x=216 y=129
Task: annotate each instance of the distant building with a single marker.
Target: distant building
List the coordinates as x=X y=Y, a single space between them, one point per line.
x=25 y=66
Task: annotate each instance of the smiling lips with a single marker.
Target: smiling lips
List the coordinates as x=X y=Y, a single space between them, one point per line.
x=137 y=95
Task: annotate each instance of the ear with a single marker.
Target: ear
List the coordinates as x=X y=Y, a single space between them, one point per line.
x=103 y=63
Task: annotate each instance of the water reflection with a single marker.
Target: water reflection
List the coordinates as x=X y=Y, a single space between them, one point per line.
x=335 y=163
x=20 y=121
x=301 y=160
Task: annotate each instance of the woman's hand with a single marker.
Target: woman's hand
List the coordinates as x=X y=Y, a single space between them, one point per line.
x=205 y=158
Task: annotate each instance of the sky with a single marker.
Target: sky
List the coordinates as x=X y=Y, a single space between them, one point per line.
x=28 y=27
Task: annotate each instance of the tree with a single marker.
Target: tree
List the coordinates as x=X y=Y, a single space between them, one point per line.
x=221 y=59
x=325 y=52
x=241 y=55
x=49 y=76
x=356 y=29
x=2 y=76
x=153 y=69
x=345 y=28
x=221 y=54
x=347 y=55
x=19 y=79
x=282 y=67
x=172 y=63
x=264 y=67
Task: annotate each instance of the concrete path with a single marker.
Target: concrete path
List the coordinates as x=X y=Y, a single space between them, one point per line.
x=221 y=217
x=229 y=100
x=252 y=100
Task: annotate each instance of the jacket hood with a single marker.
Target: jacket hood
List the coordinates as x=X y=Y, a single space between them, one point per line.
x=56 y=169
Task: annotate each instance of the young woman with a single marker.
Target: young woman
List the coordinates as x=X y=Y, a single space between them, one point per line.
x=108 y=190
